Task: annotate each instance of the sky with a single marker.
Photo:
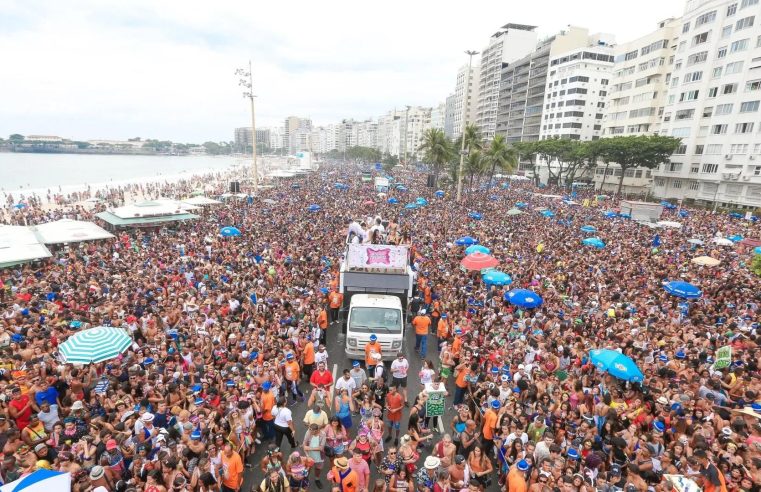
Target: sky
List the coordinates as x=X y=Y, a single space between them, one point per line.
x=102 y=69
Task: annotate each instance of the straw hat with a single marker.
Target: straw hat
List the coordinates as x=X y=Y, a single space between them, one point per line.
x=341 y=463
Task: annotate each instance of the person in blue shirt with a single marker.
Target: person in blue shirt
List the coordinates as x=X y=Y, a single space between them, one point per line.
x=46 y=393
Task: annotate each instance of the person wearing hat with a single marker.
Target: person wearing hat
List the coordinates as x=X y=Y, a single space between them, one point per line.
x=344 y=477
x=357 y=374
x=422 y=325
x=373 y=354
x=516 y=477
x=489 y=427
x=267 y=404
x=291 y=372
x=425 y=478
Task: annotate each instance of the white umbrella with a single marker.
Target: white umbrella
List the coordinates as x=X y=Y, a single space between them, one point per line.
x=669 y=223
x=41 y=480
x=695 y=241
x=94 y=345
x=706 y=261
x=269 y=201
x=722 y=241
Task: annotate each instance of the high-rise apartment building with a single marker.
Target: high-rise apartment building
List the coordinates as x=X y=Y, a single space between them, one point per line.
x=636 y=98
x=449 y=116
x=416 y=121
x=242 y=139
x=463 y=94
x=438 y=116
x=713 y=105
x=511 y=42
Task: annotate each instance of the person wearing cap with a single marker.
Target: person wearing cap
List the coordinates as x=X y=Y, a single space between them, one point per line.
x=489 y=427
x=357 y=374
x=443 y=331
x=267 y=404
x=342 y=476
x=422 y=325
x=516 y=477
x=291 y=373
x=373 y=354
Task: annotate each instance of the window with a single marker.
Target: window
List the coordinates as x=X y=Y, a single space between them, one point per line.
x=660 y=182
x=681 y=150
x=748 y=3
x=630 y=55
x=694 y=168
x=684 y=114
x=713 y=91
x=698 y=57
x=733 y=68
x=705 y=18
x=707 y=111
x=732 y=10
x=749 y=107
x=722 y=52
x=698 y=150
x=694 y=185
x=680 y=132
x=685 y=27
x=744 y=128
x=744 y=23
x=718 y=129
x=688 y=96
x=753 y=85
x=700 y=38
x=757 y=171
x=710 y=168
x=726 y=31
x=729 y=89
x=738 y=149
x=677 y=183
x=713 y=149
x=722 y=109
x=717 y=72
x=693 y=77
x=740 y=45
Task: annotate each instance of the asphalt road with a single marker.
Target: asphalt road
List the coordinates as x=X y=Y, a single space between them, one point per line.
x=338 y=362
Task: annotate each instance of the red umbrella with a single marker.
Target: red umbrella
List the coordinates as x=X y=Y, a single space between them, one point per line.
x=479 y=261
x=750 y=242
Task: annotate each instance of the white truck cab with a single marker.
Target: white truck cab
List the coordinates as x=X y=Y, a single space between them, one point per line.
x=377 y=314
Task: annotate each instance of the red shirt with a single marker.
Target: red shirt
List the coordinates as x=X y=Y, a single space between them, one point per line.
x=23 y=418
x=324 y=378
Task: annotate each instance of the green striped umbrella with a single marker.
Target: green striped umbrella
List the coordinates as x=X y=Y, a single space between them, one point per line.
x=94 y=345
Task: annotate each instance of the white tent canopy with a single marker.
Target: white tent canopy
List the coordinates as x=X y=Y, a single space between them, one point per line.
x=200 y=201
x=70 y=231
x=19 y=244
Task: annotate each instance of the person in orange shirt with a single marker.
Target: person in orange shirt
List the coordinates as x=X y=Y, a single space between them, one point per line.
x=344 y=477
x=462 y=372
x=230 y=469
x=435 y=315
x=322 y=322
x=335 y=299
x=268 y=403
x=291 y=371
x=516 y=477
x=442 y=331
x=457 y=343
x=307 y=358
x=489 y=428
x=371 y=360
x=422 y=323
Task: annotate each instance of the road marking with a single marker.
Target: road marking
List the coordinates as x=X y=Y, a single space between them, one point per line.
x=441 y=424
x=333 y=386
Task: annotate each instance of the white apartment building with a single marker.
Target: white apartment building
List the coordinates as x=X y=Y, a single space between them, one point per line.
x=438 y=115
x=389 y=134
x=461 y=93
x=277 y=134
x=417 y=121
x=511 y=42
x=713 y=106
x=365 y=133
x=637 y=94
x=449 y=115
x=576 y=91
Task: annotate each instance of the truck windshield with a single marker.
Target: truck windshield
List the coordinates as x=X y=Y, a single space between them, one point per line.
x=375 y=320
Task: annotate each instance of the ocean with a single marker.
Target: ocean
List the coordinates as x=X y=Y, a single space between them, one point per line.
x=25 y=173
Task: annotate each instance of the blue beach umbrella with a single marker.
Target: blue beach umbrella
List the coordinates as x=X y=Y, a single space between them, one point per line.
x=616 y=364
x=229 y=231
x=625 y=216
x=393 y=201
x=94 y=345
x=735 y=238
x=439 y=193
x=588 y=228
x=682 y=289
x=477 y=248
x=684 y=214
x=757 y=250
x=493 y=197
x=548 y=213
x=495 y=277
x=421 y=201
x=401 y=187
x=313 y=208
x=411 y=206
x=466 y=241
x=521 y=204
x=524 y=298
x=595 y=242
x=610 y=214
x=19 y=206
x=735 y=215
x=475 y=215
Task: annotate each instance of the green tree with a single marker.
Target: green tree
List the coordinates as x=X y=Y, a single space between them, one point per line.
x=363 y=154
x=527 y=153
x=502 y=155
x=16 y=138
x=633 y=152
x=212 y=148
x=437 y=149
x=389 y=162
x=475 y=164
x=755 y=265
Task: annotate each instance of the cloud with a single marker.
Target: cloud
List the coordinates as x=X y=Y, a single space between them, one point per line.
x=107 y=69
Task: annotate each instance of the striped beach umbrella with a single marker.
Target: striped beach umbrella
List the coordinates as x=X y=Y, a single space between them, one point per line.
x=94 y=345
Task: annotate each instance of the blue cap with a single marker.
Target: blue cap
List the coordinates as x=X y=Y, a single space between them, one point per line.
x=457 y=331
x=196 y=387
x=495 y=404
x=373 y=337
x=171 y=350
x=675 y=407
x=522 y=465
x=573 y=454
x=266 y=385
x=196 y=435
x=756 y=407
x=681 y=355
x=230 y=384
x=199 y=401
x=444 y=315
x=289 y=356
x=659 y=426
x=663 y=358
x=506 y=369
x=148 y=361
x=495 y=370
x=355 y=363
x=253 y=355
x=516 y=390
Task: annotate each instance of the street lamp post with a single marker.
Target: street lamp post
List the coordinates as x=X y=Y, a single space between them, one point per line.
x=466 y=92
x=247 y=82
x=406 y=119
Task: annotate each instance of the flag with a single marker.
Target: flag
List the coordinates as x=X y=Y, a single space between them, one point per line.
x=723 y=357
x=656 y=241
x=540 y=247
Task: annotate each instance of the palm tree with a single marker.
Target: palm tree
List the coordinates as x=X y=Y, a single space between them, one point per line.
x=475 y=165
x=502 y=155
x=437 y=150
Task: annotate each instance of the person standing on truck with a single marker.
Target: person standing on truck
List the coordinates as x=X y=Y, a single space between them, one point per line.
x=335 y=299
x=372 y=348
x=422 y=324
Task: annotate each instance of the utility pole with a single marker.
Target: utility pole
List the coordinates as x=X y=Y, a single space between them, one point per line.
x=247 y=82
x=466 y=93
x=406 y=119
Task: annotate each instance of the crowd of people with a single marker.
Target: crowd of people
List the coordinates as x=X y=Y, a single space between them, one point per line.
x=229 y=337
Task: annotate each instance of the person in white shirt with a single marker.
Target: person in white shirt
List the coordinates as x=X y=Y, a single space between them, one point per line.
x=358 y=374
x=346 y=382
x=356 y=234
x=399 y=368
x=321 y=355
x=283 y=423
